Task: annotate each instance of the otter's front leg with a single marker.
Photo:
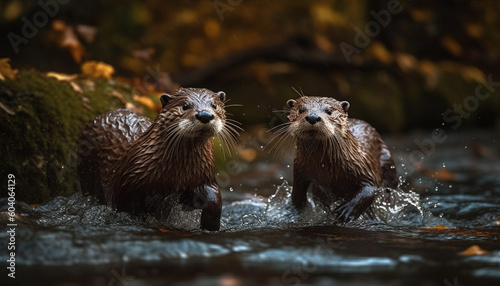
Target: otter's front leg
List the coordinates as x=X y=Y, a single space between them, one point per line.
x=353 y=208
x=299 y=192
x=209 y=200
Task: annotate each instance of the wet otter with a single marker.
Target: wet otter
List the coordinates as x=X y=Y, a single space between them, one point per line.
x=139 y=166
x=340 y=157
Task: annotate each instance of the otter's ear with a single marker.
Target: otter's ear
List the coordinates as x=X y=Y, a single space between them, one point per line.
x=345 y=105
x=290 y=103
x=164 y=99
x=221 y=95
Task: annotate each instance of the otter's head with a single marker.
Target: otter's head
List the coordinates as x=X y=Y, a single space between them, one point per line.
x=194 y=112
x=317 y=118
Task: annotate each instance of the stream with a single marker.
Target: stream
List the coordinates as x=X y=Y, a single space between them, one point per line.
x=413 y=235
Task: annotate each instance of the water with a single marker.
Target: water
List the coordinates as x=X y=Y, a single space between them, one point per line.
x=411 y=236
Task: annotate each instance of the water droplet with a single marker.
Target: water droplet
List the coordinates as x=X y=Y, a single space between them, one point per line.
x=444 y=165
x=465 y=146
x=231 y=189
x=281 y=177
x=288 y=166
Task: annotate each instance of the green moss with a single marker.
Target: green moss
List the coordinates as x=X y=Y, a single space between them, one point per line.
x=38 y=141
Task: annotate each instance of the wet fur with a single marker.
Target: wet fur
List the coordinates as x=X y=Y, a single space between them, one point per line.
x=140 y=166
x=339 y=157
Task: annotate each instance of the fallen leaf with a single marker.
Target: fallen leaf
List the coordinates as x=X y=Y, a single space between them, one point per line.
x=58 y=25
x=406 y=62
x=75 y=86
x=474 y=250
x=378 y=52
x=68 y=40
x=324 y=44
x=6 y=70
x=97 y=69
x=431 y=73
x=62 y=76
x=452 y=46
x=323 y=16
x=148 y=102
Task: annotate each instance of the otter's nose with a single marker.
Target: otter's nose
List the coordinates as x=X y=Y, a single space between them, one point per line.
x=204 y=116
x=313 y=118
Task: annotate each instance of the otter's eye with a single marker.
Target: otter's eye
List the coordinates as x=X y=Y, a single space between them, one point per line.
x=214 y=106
x=302 y=109
x=328 y=111
x=186 y=106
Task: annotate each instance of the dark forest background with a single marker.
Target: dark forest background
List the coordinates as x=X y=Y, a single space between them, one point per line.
x=424 y=59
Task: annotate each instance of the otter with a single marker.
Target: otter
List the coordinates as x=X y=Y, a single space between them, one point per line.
x=139 y=166
x=342 y=159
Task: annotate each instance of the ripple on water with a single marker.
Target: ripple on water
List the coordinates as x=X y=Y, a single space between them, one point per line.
x=319 y=259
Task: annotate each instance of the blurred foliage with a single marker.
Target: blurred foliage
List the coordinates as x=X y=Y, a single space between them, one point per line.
x=41 y=119
x=407 y=60
x=422 y=62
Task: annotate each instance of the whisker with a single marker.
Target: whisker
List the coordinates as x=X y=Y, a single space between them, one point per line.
x=301 y=93
x=233 y=105
x=284 y=111
x=282 y=141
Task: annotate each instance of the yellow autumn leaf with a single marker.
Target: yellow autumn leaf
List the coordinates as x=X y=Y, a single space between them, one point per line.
x=406 y=62
x=473 y=250
x=431 y=73
x=378 y=52
x=97 y=69
x=148 y=102
x=62 y=76
x=452 y=46
x=323 y=16
x=6 y=70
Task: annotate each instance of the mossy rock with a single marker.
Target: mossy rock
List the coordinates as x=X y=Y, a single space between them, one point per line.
x=40 y=121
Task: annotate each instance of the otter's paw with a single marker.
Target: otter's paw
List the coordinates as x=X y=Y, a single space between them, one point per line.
x=353 y=208
x=348 y=211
